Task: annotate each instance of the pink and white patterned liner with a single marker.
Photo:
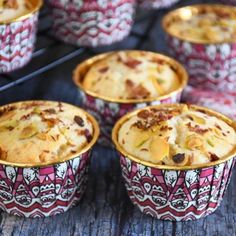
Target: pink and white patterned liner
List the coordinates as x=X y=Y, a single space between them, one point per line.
x=92 y=23
x=210 y=66
x=224 y=103
x=156 y=4
x=107 y=113
x=17 y=41
x=176 y=195
x=43 y=191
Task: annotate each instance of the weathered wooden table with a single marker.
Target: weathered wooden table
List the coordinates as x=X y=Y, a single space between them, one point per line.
x=105 y=208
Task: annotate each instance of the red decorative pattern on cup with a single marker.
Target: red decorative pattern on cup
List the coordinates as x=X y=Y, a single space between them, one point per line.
x=92 y=23
x=17 y=43
x=43 y=191
x=210 y=66
x=176 y=195
x=107 y=113
x=224 y=103
x=156 y=4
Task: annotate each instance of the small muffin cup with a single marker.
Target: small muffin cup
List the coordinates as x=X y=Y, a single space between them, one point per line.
x=17 y=39
x=30 y=190
x=175 y=193
x=224 y=103
x=210 y=64
x=92 y=23
x=107 y=110
x=156 y=4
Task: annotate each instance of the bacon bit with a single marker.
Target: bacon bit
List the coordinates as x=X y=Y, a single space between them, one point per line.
x=224 y=134
x=54 y=139
x=104 y=69
x=218 y=127
x=79 y=121
x=144 y=149
x=157 y=60
x=50 y=111
x=213 y=157
x=197 y=129
x=143 y=114
x=132 y=63
x=60 y=106
x=26 y=117
x=165 y=128
x=7 y=109
x=27 y=5
x=51 y=122
x=191 y=118
x=152 y=120
x=42 y=157
x=123 y=141
x=136 y=91
x=3 y=154
x=29 y=105
x=129 y=83
x=85 y=133
x=10 y=4
x=178 y=158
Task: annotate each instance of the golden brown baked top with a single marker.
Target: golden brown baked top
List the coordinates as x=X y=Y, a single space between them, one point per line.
x=10 y=9
x=205 y=24
x=131 y=75
x=176 y=136
x=42 y=132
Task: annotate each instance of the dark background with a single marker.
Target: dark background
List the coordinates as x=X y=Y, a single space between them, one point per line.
x=105 y=208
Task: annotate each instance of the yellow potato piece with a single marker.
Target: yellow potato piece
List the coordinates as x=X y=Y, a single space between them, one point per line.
x=140 y=138
x=198 y=119
x=159 y=148
x=158 y=87
x=205 y=22
x=29 y=131
x=9 y=125
x=193 y=141
x=212 y=34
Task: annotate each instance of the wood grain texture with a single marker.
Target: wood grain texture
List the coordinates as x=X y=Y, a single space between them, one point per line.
x=106 y=209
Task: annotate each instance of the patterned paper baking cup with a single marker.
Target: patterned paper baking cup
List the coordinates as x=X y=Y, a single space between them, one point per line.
x=224 y=103
x=92 y=23
x=17 y=39
x=107 y=111
x=210 y=65
x=175 y=193
x=156 y=4
x=30 y=190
